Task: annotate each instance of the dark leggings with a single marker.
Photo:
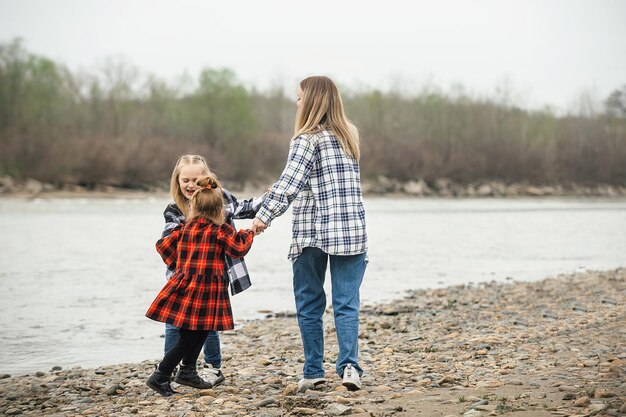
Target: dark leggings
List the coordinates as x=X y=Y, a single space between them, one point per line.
x=187 y=348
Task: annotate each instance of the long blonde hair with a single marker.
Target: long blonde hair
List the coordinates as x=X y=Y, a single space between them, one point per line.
x=177 y=194
x=207 y=201
x=320 y=108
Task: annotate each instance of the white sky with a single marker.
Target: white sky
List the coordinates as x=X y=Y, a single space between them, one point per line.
x=547 y=52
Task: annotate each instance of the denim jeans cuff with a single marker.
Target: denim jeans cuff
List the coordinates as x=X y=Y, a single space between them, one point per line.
x=320 y=375
x=340 y=373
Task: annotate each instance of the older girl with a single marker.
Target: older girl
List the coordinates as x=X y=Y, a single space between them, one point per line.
x=187 y=170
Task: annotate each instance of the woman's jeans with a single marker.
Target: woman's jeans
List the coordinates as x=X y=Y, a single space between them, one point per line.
x=212 y=352
x=346 y=272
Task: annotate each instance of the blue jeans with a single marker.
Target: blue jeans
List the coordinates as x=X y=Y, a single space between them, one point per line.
x=211 y=348
x=346 y=272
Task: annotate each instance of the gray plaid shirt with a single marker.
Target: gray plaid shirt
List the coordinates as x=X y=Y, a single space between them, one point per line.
x=237 y=271
x=325 y=183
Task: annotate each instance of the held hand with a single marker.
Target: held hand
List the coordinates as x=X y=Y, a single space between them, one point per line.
x=258 y=226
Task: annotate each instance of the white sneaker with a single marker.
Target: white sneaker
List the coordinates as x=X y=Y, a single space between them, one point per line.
x=211 y=375
x=351 y=378
x=310 y=383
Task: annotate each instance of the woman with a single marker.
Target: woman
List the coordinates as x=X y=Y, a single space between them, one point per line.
x=322 y=176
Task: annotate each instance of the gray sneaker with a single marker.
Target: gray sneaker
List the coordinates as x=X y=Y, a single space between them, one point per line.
x=212 y=375
x=351 y=378
x=310 y=383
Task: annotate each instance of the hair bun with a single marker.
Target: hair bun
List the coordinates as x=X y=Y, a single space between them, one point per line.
x=208 y=182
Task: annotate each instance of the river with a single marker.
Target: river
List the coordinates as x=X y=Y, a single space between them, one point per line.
x=79 y=273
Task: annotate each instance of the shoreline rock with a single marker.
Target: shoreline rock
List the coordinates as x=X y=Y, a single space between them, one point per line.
x=555 y=347
x=382 y=186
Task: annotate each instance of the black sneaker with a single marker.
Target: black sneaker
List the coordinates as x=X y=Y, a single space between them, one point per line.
x=160 y=383
x=188 y=375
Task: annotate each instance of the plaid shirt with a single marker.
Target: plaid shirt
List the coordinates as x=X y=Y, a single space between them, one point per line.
x=325 y=183
x=236 y=269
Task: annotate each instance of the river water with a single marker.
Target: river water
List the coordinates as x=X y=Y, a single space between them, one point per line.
x=78 y=274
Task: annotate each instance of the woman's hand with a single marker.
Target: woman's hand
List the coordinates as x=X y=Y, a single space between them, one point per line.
x=258 y=226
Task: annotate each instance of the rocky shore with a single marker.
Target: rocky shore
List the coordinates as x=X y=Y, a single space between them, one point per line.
x=555 y=347
x=380 y=186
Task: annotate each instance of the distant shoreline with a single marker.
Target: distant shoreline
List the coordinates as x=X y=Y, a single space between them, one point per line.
x=382 y=186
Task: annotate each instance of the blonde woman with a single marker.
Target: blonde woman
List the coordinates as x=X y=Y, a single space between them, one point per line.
x=322 y=176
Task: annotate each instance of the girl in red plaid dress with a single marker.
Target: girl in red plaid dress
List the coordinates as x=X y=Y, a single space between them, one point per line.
x=196 y=299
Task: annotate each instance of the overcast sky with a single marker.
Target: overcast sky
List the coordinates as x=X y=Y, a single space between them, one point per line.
x=547 y=52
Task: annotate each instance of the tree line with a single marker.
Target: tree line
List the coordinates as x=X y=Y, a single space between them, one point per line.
x=118 y=126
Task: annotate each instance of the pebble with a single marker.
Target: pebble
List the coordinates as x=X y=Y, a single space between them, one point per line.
x=112 y=390
x=304 y=411
x=604 y=393
x=478 y=403
x=582 y=402
x=338 y=410
x=266 y=402
x=290 y=389
x=597 y=407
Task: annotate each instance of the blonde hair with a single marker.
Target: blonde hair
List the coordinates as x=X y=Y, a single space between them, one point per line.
x=207 y=201
x=177 y=194
x=320 y=108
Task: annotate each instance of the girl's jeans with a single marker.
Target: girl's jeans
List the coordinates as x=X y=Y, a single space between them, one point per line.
x=212 y=352
x=346 y=274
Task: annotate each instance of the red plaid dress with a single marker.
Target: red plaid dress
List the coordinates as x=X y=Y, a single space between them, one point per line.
x=196 y=297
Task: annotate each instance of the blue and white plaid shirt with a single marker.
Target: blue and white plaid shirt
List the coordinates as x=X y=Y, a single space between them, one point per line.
x=236 y=268
x=325 y=183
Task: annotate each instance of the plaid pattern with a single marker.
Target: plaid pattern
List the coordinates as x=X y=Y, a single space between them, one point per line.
x=196 y=297
x=325 y=183
x=236 y=269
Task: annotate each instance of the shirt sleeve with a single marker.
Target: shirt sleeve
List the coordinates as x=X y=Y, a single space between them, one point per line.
x=236 y=244
x=245 y=209
x=173 y=217
x=300 y=161
x=166 y=246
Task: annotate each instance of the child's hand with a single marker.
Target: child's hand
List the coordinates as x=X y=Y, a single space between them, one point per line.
x=258 y=226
